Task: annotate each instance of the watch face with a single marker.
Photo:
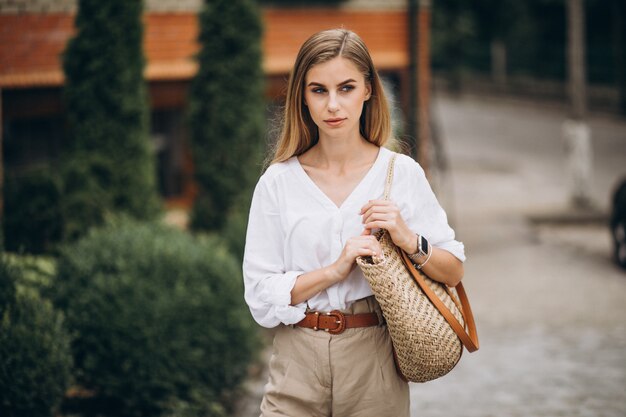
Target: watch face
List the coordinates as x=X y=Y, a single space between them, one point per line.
x=423 y=245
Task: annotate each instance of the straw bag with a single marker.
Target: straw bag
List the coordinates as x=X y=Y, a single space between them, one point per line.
x=426 y=319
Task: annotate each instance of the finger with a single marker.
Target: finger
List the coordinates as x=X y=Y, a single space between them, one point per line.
x=379 y=224
x=381 y=208
x=363 y=245
x=372 y=203
x=377 y=209
x=378 y=213
x=362 y=252
x=366 y=232
x=367 y=252
x=378 y=216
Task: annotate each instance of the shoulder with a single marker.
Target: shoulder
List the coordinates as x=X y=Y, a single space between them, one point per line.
x=277 y=169
x=406 y=166
x=410 y=177
x=275 y=173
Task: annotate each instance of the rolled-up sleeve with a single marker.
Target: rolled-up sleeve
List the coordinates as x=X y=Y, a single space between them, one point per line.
x=268 y=283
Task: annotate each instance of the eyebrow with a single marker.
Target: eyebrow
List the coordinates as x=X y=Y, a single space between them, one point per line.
x=315 y=83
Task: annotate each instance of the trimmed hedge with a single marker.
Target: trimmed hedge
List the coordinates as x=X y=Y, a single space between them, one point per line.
x=160 y=322
x=108 y=162
x=33 y=219
x=7 y=286
x=35 y=359
x=226 y=109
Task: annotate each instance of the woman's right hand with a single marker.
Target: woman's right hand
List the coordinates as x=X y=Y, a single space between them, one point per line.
x=364 y=245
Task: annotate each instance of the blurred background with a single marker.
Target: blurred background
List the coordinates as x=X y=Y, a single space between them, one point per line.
x=133 y=132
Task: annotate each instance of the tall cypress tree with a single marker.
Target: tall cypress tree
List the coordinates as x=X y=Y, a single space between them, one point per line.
x=108 y=164
x=226 y=107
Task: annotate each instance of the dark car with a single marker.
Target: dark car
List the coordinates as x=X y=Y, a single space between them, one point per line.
x=618 y=224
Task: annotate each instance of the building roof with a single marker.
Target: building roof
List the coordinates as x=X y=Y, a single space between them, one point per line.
x=31 y=44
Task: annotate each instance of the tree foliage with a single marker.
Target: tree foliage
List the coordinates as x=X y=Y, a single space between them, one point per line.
x=226 y=109
x=534 y=32
x=108 y=165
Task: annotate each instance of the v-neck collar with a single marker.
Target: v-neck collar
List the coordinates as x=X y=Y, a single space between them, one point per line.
x=321 y=195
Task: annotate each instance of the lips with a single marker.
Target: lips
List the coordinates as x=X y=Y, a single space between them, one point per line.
x=334 y=122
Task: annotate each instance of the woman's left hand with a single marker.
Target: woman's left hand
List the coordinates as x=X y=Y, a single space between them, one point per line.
x=384 y=214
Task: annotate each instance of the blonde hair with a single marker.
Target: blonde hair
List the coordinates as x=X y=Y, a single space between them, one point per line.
x=299 y=133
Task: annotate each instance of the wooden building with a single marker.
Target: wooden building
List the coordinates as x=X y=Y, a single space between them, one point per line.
x=33 y=35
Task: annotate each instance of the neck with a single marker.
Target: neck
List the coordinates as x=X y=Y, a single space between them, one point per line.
x=333 y=151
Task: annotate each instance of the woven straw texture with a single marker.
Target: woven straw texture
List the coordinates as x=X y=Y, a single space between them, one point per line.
x=425 y=344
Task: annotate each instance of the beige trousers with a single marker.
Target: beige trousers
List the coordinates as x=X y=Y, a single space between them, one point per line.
x=352 y=374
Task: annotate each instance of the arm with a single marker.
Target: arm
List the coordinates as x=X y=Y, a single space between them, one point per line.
x=267 y=281
x=311 y=283
x=422 y=214
x=274 y=293
x=442 y=265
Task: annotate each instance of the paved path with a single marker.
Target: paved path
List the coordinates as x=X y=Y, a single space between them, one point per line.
x=550 y=305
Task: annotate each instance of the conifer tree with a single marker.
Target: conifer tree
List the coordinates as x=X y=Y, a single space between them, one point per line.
x=108 y=164
x=226 y=110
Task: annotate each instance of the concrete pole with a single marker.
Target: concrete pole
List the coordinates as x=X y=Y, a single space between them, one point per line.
x=575 y=130
x=618 y=11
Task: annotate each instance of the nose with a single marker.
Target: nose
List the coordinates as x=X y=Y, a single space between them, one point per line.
x=333 y=105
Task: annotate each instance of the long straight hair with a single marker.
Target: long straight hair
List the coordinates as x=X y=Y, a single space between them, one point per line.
x=299 y=133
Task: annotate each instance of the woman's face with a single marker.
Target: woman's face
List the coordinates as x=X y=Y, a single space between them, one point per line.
x=334 y=93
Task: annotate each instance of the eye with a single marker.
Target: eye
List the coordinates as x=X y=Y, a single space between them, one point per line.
x=347 y=88
x=318 y=90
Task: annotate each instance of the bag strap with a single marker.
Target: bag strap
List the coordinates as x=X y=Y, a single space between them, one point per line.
x=469 y=338
x=389 y=180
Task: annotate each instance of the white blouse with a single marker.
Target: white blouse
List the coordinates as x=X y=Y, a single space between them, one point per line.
x=295 y=228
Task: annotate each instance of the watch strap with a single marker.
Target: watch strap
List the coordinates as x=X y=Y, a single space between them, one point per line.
x=422 y=250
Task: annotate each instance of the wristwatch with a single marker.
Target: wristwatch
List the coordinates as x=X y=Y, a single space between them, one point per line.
x=422 y=246
x=423 y=251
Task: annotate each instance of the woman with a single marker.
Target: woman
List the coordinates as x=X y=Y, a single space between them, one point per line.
x=312 y=214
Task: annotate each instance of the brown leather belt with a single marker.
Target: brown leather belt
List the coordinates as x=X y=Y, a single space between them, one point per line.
x=336 y=322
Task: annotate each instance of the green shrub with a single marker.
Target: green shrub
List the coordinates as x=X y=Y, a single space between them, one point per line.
x=36 y=273
x=35 y=359
x=7 y=286
x=234 y=231
x=160 y=320
x=32 y=216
